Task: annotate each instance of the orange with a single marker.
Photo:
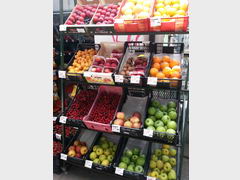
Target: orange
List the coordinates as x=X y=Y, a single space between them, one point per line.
x=167 y=71
x=153 y=72
x=156 y=65
x=174 y=63
x=166 y=59
x=176 y=68
x=160 y=75
x=157 y=59
x=175 y=74
x=164 y=64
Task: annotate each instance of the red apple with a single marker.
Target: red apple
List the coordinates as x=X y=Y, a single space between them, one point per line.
x=78 y=149
x=94 y=69
x=114 y=65
x=114 y=11
x=136 y=125
x=137 y=114
x=120 y=115
x=74 y=15
x=98 y=69
x=83 y=14
x=103 y=12
x=119 y=122
x=112 y=15
x=109 y=9
x=134 y=119
x=98 y=14
x=107 y=64
x=78 y=22
x=78 y=155
x=128 y=124
x=95 y=19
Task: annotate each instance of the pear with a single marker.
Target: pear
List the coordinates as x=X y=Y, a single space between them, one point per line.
x=172 y=175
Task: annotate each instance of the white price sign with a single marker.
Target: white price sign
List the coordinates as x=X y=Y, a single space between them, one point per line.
x=54 y=118
x=119 y=20
x=62 y=27
x=63 y=157
x=155 y=21
x=118 y=78
x=148 y=132
x=81 y=30
x=151 y=178
x=119 y=171
x=115 y=128
x=152 y=81
x=63 y=119
x=88 y=164
x=62 y=74
x=135 y=79
x=58 y=136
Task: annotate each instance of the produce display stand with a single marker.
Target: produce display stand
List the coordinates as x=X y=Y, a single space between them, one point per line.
x=179 y=94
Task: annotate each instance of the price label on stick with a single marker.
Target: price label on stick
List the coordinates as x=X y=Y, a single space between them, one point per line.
x=152 y=81
x=151 y=178
x=148 y=132
x=118 y=78
x=62 y=74
x=58 y=136
x=135 y=79
x=63 y=157
x=115 y=128
x=63 y=119
x=54 y=118
x=119 y=171
x=62 y=27
x=88 y=164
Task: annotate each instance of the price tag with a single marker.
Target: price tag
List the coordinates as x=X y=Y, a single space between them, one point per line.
x=62 y=74
x=58 y=136
x=151 y=178
x=81 y=30
x=152 y=81
x=119 y=171
x=119 y=20
x=54 y=118
x=148 y=132
x=63 y=119
x=88 y=164
x=118 y=78
x=115 y=128
x=62 y=27
x=87 y=74
x=155 y=21
x=63 y=157
x=135 y=79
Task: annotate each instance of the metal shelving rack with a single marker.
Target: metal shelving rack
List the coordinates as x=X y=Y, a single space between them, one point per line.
x=109 y=30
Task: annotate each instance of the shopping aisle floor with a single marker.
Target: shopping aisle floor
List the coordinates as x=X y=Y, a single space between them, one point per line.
x=76 y=173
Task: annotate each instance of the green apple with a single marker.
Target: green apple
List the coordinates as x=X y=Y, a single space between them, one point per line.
x=122 y=165
x=104 y=145
x=172 y=115
x=165 y=113
x=130 y=168
x=165 y=152
x=172 y=175
x=132 y=163
x=134 y=158
x=159 y=164
x=97 y=161
x=154 y=157
x=172 y=152
x=129 y=153
x=154 y=174
x=107 y=152
x=158 y=123
x=151 y=111
x=171 y=132
x=166 y=146
x=102 y=157
x=171 y=104
x=161 y=129
x=172 y=125
x=159 y=114
x=103 y=139
x=158 y=152
x=149 y=122
x=155 y=103
x=140 y=161
x=93 y=156
x=165 y=158
x=136 y=151
x=153 y=164
x=99 y=151
x=114 y=148
x=110 y=144
x=153 y=118
x=95 y=147
x=105 y=162
x=151 y=128
x=138 y=169
x=142 y=156
x=167 y=167
x=171 y=109
x=125 y=159
x=110 y=158
x=156 y=169
x=172 y=161
x=163 y=176
x=166 y=119
x=163 y=108
x=162 y=171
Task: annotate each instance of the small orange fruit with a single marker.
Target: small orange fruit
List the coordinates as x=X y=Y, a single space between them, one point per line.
x=157 y=59
x=156 y=65
x=176 y=68
x=153 y=72
x=167 y=71
x=175 y=74
x=166 y=59
x=174 y=63
x=160 y=75
x=164 y=64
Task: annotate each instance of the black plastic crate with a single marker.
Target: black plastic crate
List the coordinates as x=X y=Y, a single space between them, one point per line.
x=174 y=50
x=130 y=143
x=118 y=140
x=81 y=46
x=135 y=47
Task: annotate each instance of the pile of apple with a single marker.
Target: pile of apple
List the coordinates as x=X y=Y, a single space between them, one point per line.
x=133 y=161
x=133 y=122
x=57 y=147
x=108 y=65
x=104 y=152
x=135 y=65
x=162 y=118
x=82 y=14
x=162 y=163
x=78 y=149
x=105 y=14
x=136 y=9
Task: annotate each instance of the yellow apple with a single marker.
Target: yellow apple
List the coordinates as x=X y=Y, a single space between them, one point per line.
x=140 y=1
x=137 y=9
x=146 y=9
x=168 y=2
x=159 y=5
x=162 y=11
x=177 y=6
x=181 y=12
x=133 y=1
x=157 y=14
x=128 y=12
x=171 y=11
x=147 y=3
x=143 y=15
x=160 y=1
